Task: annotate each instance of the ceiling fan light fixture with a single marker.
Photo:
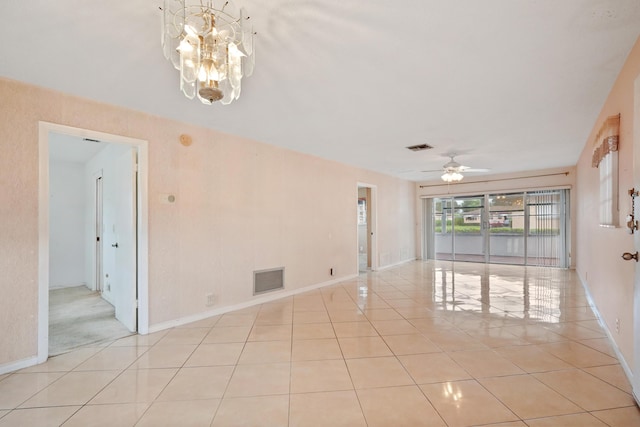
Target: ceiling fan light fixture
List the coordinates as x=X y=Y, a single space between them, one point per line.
x=452 y=176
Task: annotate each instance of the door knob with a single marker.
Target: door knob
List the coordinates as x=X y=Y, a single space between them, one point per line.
x=628 y=256
x=115 y=245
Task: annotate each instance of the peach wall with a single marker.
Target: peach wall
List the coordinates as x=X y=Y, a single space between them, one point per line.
x=609 y=279
x=240 y=206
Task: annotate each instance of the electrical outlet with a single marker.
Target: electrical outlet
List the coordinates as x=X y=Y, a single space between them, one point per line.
x=211 y=299
x=618 y=325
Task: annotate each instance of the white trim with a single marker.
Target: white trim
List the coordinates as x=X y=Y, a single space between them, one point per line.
x=142 y=147
x=625 y=366
x=20 y=364
x=255 y=301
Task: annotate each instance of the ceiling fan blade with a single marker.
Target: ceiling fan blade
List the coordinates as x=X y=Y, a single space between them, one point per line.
x=476 y=170
x=433 y=170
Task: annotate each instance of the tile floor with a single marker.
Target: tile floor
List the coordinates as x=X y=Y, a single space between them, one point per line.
x=423 y=344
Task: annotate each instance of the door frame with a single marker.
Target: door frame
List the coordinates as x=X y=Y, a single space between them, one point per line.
x=635 y=377
x=44 y=130
x=372 y=225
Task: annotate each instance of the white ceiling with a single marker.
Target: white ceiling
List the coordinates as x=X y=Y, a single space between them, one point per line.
x=507 y=84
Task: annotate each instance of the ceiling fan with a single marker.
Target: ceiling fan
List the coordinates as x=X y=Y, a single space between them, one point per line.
x=452 y=170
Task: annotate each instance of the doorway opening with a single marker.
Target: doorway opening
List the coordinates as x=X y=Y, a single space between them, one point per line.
x=93 y=273
x=367 y=259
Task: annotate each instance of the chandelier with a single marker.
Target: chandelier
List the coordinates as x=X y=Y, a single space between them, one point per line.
x=452 y=176
x=211 y=43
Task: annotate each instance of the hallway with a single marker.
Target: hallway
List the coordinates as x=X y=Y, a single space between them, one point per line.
x=79 y=317
x=422 y=344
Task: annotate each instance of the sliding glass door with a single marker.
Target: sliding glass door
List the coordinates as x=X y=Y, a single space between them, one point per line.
x=526 y=228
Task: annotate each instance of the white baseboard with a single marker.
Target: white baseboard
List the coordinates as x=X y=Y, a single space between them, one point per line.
x=19 y=364
x=272 y=296
x=625 y=366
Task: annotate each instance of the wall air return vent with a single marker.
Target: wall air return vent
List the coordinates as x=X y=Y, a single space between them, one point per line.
x=268 y=280
x=420 y=147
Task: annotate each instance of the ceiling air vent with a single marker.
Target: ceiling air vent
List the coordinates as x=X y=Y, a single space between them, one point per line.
x=420 y=147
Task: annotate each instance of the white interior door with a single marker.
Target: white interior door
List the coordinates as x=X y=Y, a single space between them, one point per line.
x=124 y=281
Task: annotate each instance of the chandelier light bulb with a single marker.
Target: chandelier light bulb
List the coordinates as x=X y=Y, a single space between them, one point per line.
x=211 y=43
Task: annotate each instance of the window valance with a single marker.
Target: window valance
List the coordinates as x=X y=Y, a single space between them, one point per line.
x=607 y=139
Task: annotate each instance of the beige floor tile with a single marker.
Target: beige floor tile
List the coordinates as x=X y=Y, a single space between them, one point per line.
x=183 y=336
x=220 y=334
x=310 y=317
x=191 y=413
x=612 y=374
x=139 y=340
x=253 y=412
x=352 y=315
x=308 y=304
x=466 y=403
x=215 y=354
x=485 y=363
x=496 y=337
x=578 y=355
x=535 y=334
x=75 y=388
x=335 y=409
x=601 y=344
x=394 y=327
x=574 y=331
x=270 y=333
x=412 y=312
x=321 y=349
x=363 y=347
x=382 y=314
x=529 y=398
x=507 y=424
x=378 y=372
x=121 y=414
x=40 y=417
x=620 y=417
x=19 y=387
x=259 y=380
x=585 y=390
x=452 y=340
x=530 y=358
x=197 y=383
x=410 y=344
x=167 y=356
x=398 y=406
x=354 y=329
x=576 y=420
x=341 y=305
x=433 y=368
x=135 y=386
x=112 y=358
x=204 y=323
x=320 y=375
x=266 y=352
x=307 y=331
x=235 y=319
x=64 y=362
x=274 y=318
